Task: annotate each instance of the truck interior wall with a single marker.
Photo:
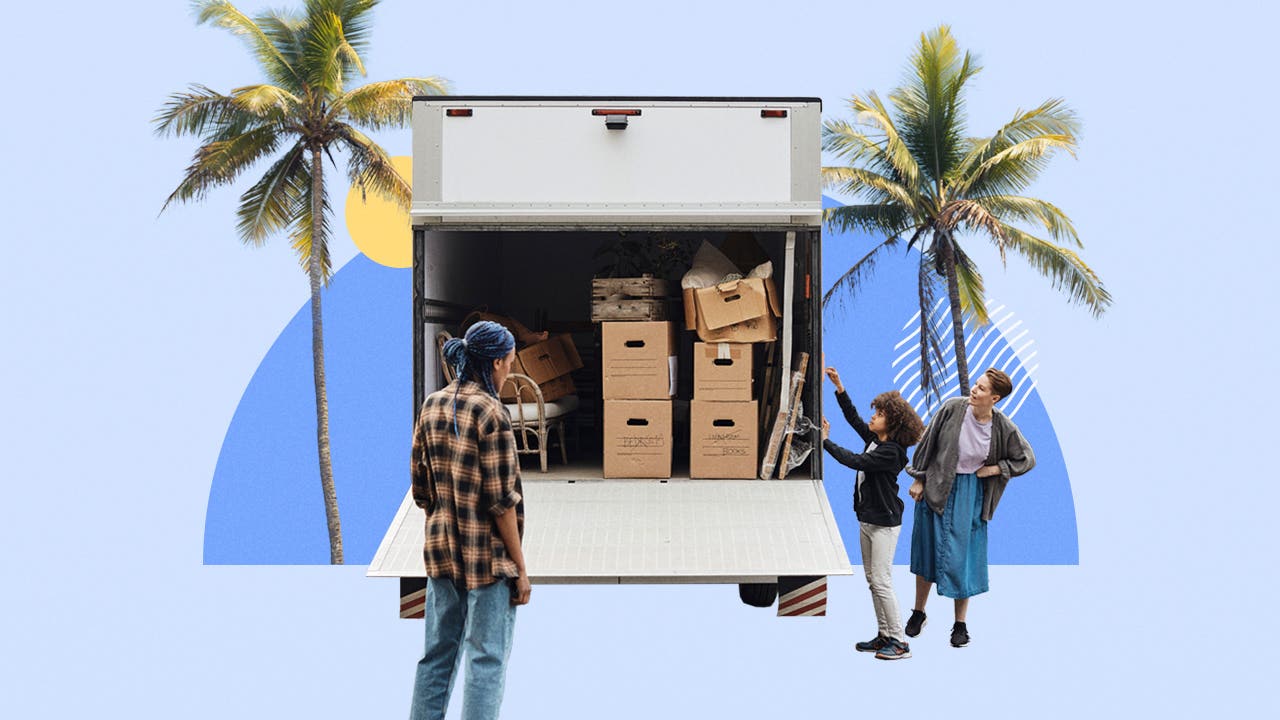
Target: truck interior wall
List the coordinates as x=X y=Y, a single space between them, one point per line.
x=456 y=277
x=543 y=279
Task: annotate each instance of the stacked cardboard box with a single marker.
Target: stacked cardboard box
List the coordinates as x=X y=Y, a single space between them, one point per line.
x=639 y=380
x=722 y=415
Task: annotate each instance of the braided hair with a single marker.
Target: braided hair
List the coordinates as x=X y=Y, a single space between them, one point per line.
x=473 y=354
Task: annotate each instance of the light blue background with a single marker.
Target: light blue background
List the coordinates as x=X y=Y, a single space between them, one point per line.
x=128 y=341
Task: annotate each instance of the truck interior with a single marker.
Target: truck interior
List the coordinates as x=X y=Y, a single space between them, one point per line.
x=542 y=278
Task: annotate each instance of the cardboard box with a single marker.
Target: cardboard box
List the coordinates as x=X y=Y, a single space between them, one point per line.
x=741 y=311
x=552 y=358
x=549 y=364
x=637 y=438
x=721 y=371
x=639 y=360
x=552 y=390
x=723 y=440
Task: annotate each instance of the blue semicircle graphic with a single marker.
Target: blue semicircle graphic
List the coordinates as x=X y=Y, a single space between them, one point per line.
x=265 y=504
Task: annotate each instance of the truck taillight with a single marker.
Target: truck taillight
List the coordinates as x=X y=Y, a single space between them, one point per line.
x=458 y=112
x=773 y=113
x=616 y=118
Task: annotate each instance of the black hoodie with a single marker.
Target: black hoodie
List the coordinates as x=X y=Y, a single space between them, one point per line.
x=876 y=502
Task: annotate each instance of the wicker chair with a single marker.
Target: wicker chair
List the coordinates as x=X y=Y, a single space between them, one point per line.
x=532 y=418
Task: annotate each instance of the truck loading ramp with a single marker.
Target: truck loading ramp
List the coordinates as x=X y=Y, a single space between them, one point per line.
x=654 y=531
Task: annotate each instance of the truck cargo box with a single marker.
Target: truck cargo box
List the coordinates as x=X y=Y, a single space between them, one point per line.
x=514 y=202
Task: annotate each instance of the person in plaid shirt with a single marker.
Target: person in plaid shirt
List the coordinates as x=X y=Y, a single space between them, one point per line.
x=467 y=479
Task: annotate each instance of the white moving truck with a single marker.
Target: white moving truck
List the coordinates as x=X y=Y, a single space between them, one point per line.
x=514 y=199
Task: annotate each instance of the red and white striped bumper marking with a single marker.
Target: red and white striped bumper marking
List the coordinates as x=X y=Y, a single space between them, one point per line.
x=413 y=598
x=809 y=599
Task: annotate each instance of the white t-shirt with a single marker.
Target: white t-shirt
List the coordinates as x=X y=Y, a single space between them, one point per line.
x=975 y=442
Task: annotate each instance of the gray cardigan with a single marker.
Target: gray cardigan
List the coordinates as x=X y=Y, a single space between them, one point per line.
x=938 y=452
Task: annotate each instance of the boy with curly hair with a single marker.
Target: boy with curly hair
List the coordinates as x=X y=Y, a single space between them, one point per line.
x=893 y=427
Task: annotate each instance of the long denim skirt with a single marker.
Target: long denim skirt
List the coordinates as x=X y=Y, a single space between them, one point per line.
x=951 y=549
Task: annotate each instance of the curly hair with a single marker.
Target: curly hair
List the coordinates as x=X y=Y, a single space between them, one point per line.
x=904 y=425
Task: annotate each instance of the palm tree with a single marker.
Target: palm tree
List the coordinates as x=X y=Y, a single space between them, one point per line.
x=305 y=109
x=918 y=177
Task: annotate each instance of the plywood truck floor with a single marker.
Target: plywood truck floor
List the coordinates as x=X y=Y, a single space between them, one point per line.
x=649 y=531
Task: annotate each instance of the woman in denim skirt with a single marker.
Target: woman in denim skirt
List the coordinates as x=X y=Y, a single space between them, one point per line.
x=961 y=468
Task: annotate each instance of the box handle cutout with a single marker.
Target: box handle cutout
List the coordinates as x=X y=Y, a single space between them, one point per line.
x=637 y=421
x=731 y=298
x=722 y=361
x=635 y=343
x=722 y=423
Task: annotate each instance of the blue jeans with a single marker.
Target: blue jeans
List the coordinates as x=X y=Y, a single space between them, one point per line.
x=485 y=619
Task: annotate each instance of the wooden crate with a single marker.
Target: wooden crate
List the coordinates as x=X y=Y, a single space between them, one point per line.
x=642 y=298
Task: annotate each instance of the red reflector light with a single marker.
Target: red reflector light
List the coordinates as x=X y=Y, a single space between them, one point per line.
x=773 y=113
x=615 y=111
x=458 y=112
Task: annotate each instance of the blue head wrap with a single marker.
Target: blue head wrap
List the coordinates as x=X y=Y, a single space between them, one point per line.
x=472 y=357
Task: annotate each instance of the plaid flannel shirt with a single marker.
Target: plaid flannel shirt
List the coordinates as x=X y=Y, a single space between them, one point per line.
x=463 y=482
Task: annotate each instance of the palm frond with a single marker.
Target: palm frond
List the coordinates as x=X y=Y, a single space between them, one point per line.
x=354 y=15
x=882 y=150
x=219 y=162
x=876 y=219
x=287 y=32
x=195 y=112
x=384 y=104
x=265 y=101
x=1012 y=158
x=972 y=215
x=268 y=206
x=330 y=60
x=1065 y=270
x=370 y=169
x=849 y=282
x=930 y=103
x=871 y=186
x=223 y=14
x=973 y=295
x=1034 y=211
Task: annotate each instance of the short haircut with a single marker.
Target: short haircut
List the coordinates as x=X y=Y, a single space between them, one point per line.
x=1000 y=383
x=903 y=424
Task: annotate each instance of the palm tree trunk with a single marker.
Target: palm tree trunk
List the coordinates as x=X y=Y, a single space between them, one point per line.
x=957 y=316
x=317 y=361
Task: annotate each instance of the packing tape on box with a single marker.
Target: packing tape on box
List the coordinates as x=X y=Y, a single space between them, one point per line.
x=722 y=351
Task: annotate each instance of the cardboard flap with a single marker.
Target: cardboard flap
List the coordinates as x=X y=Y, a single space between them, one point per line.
x=775 y=303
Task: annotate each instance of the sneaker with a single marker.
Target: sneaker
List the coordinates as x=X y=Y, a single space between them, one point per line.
x=916 y=623
x=959 y=635
x=872 y=645
x=894 y=650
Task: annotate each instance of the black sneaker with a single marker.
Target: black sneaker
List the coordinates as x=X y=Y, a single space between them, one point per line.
x=894 y=650
x=874 y=645
x=959 y=635
x=916 y=623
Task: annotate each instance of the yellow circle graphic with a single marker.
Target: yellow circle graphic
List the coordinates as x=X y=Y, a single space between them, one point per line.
x=380 y=229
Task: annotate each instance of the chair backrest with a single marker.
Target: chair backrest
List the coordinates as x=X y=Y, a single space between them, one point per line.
x=446 y=369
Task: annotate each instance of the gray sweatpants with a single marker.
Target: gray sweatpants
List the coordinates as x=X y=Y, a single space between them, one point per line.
x=878 y=543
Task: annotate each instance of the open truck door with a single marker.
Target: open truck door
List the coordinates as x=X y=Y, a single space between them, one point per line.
x=513 y=200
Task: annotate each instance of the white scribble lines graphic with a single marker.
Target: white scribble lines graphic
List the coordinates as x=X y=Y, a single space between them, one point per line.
x=1002 y=344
